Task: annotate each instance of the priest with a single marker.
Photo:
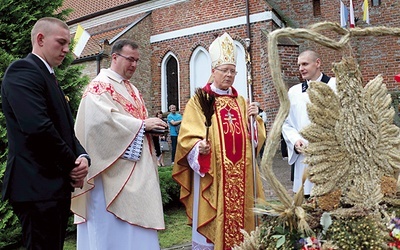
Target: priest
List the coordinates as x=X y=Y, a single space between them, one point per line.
x=216 y=173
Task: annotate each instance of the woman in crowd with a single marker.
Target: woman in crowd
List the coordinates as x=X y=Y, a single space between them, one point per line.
x=158 y=146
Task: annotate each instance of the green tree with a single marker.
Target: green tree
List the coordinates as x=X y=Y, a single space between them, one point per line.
x=17 y=18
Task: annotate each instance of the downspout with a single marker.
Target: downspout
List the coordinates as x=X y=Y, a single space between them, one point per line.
x=98 y=61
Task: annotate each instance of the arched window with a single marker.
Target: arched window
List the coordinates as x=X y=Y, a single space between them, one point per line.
x=200 y=69
x=240 y=83
x=169 y=82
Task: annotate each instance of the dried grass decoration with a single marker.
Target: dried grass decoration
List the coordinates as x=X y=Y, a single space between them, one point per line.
x=206 y=102
x=353 y=144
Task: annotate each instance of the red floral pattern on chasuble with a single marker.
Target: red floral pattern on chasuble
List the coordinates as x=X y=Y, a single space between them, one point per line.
x=233 y=172
x=137 y=109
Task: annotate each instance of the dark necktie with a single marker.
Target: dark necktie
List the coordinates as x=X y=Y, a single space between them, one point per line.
x=55 y=78
x=304 y=87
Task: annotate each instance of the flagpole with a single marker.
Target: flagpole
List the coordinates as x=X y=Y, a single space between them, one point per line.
x=250 y=95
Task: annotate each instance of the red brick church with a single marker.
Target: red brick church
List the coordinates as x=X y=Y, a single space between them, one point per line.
x=174 y=36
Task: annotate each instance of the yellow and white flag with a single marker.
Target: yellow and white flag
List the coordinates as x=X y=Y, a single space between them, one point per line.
x=80 y=39
x=365 y=11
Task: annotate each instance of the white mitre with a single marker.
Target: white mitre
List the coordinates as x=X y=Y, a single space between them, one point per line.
x=223 y=51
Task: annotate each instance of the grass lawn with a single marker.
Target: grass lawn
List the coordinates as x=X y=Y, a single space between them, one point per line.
x=70 y=243
x=176 y=231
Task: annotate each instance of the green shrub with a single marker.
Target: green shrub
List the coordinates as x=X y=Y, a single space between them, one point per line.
x=10 y=229
x=169 y=188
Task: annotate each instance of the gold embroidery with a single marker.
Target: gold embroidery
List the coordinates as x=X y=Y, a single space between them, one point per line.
x=228 y=50
x=234 y=193
x=233 y=170
x=230 y=127
x=223 y=51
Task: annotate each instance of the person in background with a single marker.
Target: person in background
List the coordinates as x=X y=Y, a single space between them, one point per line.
x=45 y=160
x=263 y=116
x=156 y=140
x=120 y=205
x=174 y=122
x=262 y=113
x=310 y=70
x=284 y=151
x=216 y=175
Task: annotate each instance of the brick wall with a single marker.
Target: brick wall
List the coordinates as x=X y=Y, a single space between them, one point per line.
x=142 y=77
x=376 y=55
x=191 y=13
x=90 y=69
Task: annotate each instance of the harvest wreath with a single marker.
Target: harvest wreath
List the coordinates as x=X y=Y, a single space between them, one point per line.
x=353 y=157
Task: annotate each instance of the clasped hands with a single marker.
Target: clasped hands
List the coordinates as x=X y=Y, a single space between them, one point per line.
x=79 y=172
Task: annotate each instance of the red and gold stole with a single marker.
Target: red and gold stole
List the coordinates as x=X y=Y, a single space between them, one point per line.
x=233 y=170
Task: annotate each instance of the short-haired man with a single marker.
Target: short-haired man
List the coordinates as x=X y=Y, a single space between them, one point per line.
x=120 y=206
x=174 y=121
x=310 y=70
x=45 y=159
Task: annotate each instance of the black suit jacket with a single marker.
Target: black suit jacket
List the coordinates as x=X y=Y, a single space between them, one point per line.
x=40 y=129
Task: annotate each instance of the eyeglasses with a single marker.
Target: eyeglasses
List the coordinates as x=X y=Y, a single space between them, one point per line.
x=226 y=71
x=131 y=59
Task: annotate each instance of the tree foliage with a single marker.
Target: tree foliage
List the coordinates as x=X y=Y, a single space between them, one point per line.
x=17 y=18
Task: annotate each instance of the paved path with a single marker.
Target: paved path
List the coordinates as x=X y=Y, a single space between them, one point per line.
x=186 y=246
x=281 y=170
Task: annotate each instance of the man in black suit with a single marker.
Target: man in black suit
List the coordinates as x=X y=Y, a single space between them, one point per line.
x=45 y=159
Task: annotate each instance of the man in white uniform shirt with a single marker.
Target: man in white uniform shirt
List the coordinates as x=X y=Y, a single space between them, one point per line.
x=310 y=70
